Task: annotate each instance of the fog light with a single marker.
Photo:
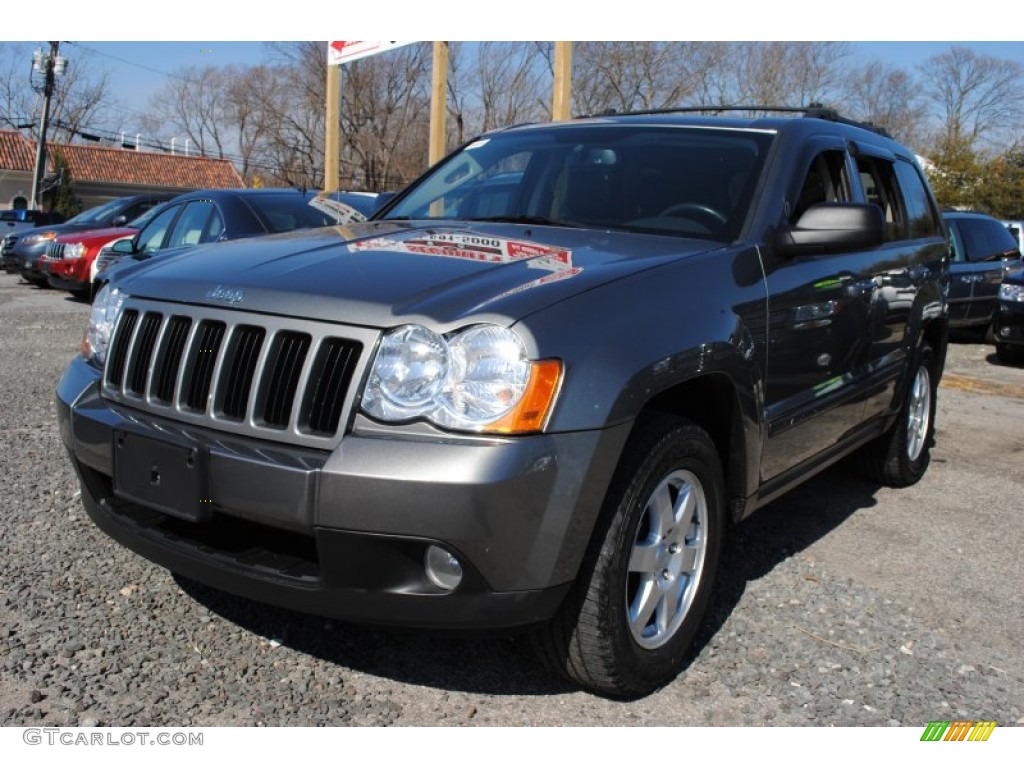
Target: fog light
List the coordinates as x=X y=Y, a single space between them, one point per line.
x=1004 y=332
x=443 y=568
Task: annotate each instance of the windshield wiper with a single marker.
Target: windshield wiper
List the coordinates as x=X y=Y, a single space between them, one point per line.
x=538 y=220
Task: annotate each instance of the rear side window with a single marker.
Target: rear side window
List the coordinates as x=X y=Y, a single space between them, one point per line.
x=922 y=219
x=878 y=179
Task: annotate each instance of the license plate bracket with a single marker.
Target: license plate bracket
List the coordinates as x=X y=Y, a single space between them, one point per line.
x=168 y=477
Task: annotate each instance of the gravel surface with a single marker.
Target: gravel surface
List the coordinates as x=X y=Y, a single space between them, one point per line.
x=840 y=604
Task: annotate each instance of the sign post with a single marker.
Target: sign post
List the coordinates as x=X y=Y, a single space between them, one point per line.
x=343 y=52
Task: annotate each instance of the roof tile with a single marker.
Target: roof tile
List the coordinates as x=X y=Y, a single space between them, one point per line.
x=123 y=166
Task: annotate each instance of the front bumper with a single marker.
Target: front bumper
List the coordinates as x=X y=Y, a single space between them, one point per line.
x=1008 y=323
x=342 y=533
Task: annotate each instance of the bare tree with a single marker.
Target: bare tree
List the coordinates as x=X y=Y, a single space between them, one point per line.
x=629 y=76
x=975 y=96
x=888 y=97
x=81 y=97
x=511 y=85
x=787 y=73
x=385 y=115
x=193 y=103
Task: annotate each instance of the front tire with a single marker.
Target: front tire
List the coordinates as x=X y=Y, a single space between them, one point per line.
x=645 y=583
x=1009 y=355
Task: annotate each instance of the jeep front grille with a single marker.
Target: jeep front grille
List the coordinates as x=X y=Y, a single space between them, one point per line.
x=276 y=378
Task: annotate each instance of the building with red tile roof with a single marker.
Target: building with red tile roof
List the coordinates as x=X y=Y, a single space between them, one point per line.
x=104 y=173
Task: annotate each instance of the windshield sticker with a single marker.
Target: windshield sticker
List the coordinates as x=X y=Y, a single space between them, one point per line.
x=342 y=213
x=477 y=144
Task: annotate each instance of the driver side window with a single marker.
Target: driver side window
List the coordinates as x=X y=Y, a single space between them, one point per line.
x=151 y=238
x=826 y=182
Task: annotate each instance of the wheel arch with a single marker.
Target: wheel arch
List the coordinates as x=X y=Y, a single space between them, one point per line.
x=712 y=402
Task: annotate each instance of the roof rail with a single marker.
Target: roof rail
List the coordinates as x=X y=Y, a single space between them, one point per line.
x=819 y=111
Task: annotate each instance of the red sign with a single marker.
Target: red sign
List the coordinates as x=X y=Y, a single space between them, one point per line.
x=345 y=51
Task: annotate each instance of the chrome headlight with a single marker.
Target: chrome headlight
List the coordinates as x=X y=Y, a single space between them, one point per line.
x=478 y=379
x=105 y=309
x=74 y=251
x=1011 y=292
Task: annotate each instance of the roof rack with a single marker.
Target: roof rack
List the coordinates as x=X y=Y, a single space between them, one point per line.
x=819 y=111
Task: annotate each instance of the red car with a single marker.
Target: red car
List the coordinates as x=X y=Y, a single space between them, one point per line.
x=70 y=260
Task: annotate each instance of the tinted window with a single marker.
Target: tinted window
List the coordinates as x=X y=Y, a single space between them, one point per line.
x=878 y=179
x=287 y=211
x=640 y=178
x=151 y=238
x=194 y=224
x=826 y=182
x=922 y=219
x=985 y=239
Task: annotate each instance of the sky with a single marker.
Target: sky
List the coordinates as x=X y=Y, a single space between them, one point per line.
x=137 y=69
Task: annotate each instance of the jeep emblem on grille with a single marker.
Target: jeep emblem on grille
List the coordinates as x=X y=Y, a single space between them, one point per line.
x=230 y=295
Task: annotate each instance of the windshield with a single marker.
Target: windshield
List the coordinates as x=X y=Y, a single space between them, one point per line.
x=142 y=220
x=98 y=215
x=691 y=182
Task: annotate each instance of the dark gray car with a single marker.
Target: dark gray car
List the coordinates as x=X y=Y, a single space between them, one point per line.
x=983 y=252
x=534 y=390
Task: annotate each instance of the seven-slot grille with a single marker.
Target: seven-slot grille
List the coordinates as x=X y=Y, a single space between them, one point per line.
x=274 y=378
x=55 y=250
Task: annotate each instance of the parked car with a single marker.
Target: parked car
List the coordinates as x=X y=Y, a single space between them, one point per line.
x=15 y=221
x=18 y=219
x=213 y=215
x=543 y=412
x=1008 y=326
x=982 y=251
x=21 y=252
x=69 y=263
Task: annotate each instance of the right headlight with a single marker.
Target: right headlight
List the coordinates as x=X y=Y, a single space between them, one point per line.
x=105 y=309
x=478 y=379
x=1011 y=292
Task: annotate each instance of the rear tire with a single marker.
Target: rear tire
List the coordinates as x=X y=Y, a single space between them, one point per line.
x=900 y=457
x=645 y=583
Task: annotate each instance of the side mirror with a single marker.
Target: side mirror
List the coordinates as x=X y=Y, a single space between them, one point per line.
x=124 y=247
x=382 y=199
x=119 y=221
x=833 y=228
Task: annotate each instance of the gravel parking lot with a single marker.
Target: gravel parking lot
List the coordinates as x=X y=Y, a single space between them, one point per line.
x=841 y=604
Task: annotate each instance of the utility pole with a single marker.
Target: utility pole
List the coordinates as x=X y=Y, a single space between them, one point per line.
x=332 y=129
x=48 y=67
x=562 y=95
x=438 y=103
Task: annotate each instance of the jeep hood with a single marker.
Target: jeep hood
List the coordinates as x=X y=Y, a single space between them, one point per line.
x=381 y=274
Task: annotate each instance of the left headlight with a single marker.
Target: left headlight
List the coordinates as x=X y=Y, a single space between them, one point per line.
x=42 y=237
x=105 y=309
x=74 y=251
x=478 y=379
x=1011 y=292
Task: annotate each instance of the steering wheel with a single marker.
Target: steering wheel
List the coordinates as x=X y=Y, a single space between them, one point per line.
x=703 y=214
